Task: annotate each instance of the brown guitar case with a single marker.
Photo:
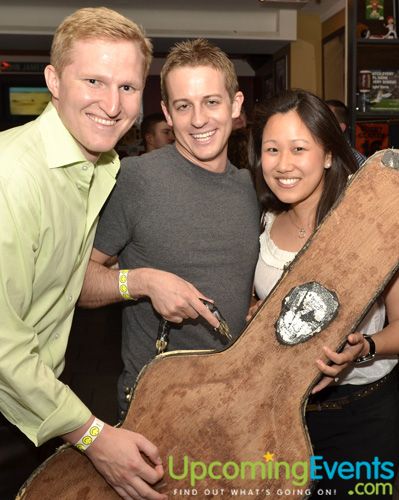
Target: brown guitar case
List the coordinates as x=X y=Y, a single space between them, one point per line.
x=236 y=405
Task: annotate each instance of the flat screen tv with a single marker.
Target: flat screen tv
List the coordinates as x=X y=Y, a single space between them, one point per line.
x=28 y=101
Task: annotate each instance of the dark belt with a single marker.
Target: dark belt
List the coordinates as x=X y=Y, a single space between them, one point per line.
x=340 y=403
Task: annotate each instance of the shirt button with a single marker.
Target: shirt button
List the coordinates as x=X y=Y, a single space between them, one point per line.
x=70 y=298
x=56 y=336
x=85 y=167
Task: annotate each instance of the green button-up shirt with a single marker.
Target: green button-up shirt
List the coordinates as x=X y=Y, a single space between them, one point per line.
x=50 y=197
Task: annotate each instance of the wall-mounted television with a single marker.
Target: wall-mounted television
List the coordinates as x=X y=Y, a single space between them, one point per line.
x=28 y=101
x=22 y=98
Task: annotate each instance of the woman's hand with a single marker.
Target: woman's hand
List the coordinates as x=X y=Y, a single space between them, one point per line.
x=355 y=346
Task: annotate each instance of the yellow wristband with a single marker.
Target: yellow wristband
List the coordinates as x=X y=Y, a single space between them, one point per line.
x=123 y=288
x=90 y=435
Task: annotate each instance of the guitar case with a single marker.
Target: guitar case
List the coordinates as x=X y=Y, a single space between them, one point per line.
x=221 y=417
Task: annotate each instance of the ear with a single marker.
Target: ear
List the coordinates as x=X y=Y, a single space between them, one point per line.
x=238 y=99
x=328 y=160
x=167 y=115
x=149 y=138
x=52 y=80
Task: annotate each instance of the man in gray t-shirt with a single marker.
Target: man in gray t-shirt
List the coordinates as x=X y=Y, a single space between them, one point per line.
x=183 y=221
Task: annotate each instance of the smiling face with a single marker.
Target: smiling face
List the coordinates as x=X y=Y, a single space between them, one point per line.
x=293 y=163
x=98 y=95
x=201 y=113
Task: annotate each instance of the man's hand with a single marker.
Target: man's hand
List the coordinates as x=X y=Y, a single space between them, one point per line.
x=354 y=347
x=174 y=298
x=116 y=454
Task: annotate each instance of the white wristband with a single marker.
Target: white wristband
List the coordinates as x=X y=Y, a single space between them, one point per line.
x=90 y=435
x=123 y=288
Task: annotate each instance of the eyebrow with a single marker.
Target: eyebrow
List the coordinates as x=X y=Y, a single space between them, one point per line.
x=293 y=140
x=133 y=82
x=186 y=99
x=303 y=140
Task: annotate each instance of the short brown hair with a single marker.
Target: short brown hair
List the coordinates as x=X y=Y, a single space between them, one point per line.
x=199 y=52
x=96 y=22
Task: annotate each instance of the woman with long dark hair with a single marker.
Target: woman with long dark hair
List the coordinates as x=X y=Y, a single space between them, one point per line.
x=302 y=163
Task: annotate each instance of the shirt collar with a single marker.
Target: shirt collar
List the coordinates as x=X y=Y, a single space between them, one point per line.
x=61 y=148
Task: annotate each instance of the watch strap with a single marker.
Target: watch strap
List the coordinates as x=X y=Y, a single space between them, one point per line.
x=371 y=353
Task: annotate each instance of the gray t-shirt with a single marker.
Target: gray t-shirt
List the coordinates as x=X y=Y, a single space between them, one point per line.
x=169 y=214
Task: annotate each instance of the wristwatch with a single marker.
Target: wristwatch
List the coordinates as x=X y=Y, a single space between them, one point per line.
x=371 y=353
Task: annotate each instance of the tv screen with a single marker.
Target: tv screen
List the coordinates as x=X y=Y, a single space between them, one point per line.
x=28 y=101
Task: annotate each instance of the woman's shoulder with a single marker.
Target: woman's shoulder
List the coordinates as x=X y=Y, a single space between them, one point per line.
x=270 y=253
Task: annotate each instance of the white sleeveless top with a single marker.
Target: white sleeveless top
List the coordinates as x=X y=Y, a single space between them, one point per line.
x=271 y=264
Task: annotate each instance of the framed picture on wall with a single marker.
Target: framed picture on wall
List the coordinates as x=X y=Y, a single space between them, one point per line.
x=376 y=18
x=280 y=74
x=384 y=92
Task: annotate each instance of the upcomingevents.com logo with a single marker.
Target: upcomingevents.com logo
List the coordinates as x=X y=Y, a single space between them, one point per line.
x=297 y=474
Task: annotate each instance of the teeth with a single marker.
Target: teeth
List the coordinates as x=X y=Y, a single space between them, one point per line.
x=102 y=121
x=203 y=136
x=288 y=182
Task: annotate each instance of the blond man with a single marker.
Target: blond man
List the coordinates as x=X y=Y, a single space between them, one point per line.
x=56 y=173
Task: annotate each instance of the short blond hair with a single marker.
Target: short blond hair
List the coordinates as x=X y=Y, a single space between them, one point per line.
x=199 y=52
x=96 y=23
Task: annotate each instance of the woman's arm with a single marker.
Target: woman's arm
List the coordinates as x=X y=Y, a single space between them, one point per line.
x=386 y=341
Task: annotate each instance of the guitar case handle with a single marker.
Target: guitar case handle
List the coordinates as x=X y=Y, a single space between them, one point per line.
x=164 y=327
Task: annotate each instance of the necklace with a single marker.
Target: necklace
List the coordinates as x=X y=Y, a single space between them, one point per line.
x=301 y=230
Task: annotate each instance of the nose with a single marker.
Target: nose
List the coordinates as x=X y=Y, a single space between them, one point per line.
x=285 y=163
x=199 y=117
x=110 y=102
